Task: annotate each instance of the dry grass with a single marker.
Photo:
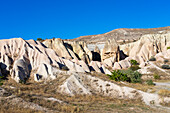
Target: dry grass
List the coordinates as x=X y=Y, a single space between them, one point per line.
x=36 y=92
x=164 y=92
x=154 y=70
x=139 y=86
x=6 y=107
x=163 y=75
x=165 y=104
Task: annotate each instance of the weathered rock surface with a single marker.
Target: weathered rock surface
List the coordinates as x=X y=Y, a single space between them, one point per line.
x=111 y=49
x=142 y=50
x=21 y=57
x=58 y=46
x=70 y=50
x=147 y=46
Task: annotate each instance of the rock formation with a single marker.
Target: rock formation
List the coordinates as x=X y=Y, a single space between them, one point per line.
x=70 y=50
x=43 y=61
x=148 y=46
x=111 y=49
x=26 y=59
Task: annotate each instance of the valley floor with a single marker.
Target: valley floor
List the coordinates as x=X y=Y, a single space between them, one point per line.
x=40 y=97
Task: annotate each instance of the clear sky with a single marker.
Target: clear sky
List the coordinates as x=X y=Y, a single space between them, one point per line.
x=66 y=19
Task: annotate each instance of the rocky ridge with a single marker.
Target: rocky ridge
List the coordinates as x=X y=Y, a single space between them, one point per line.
x=121 y=35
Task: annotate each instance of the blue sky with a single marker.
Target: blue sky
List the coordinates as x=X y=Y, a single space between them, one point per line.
x=66 y=19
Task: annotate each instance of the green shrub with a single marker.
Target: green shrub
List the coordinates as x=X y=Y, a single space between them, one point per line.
x=156 y=76
x=165 y=61
x=133 y=62
x=40 y=39
x=149 y=82
x=126 y=75
x=2 y=78
x=1 y=83
x=152 y=58
x=168 y=47
x=134 y=67
x=117 y=75
x=23 y=81
x=165 y=66
x=135 y=76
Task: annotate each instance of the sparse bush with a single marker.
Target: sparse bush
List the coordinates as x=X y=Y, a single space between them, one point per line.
x=166 y=61
x=156 y=76
x=126 y=75
x=1 y=83
x=23 y=81
x=165 y=66
x=135 y=76
x=168 y=47
x=40 y=39
x=152 y=58
x=1 y=79
x=117 y=75
x=149 y=82
x=133 y=62
x=134 y=67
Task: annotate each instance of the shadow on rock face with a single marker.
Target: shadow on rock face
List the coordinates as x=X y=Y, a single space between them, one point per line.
x=63 y=67
x=3 y=73
x=96 y=56
x=122 y=55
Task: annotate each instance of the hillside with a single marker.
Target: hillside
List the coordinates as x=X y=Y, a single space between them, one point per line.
x=121 y=34
x=66 y=76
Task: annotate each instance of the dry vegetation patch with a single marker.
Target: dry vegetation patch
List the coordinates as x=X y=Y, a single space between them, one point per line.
x=38 y=92
x=164 y=92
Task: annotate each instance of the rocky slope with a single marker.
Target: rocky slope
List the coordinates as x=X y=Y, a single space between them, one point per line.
x=121 y=34
x=87 y=84
x=25 y=59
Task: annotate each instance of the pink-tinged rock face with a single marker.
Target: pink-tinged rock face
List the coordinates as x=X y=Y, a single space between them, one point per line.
x=70 y=50
x=21 y=58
